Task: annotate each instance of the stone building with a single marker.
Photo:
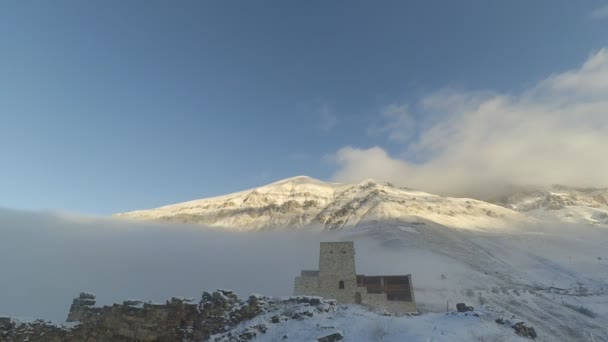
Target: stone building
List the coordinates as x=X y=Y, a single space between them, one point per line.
x=337 y=279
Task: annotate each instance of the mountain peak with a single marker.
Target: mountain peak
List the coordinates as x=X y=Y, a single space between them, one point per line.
x=299 y=179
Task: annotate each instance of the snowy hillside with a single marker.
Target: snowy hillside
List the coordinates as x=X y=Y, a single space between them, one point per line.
x=327 y=322
x=359 y=324
x=307 y=202
x=562 y=204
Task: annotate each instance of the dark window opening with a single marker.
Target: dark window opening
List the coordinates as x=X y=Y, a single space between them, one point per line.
x=341 y=285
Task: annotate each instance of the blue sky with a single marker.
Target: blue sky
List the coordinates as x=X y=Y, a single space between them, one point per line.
x=111 y=106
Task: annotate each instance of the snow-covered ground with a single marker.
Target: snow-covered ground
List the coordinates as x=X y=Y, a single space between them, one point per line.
x=359 y=324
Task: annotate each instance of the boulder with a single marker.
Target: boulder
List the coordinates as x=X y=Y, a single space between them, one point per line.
x=523 y=330
x=331 y=338
x=462 y=307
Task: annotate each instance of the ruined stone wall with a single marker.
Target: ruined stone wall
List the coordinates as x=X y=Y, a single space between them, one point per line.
x=175 y=320
x=379 y=300
x=337 y=263
x=306 y=286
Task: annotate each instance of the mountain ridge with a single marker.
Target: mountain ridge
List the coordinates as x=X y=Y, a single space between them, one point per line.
x=308 y=202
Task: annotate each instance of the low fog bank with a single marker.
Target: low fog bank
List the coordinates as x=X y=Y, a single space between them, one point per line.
x=49 y=258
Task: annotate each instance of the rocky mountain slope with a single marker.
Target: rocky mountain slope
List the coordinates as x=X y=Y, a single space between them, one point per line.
x=560 y=203
x=304 y=202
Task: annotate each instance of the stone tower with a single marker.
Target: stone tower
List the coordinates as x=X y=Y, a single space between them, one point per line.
x=337 y=276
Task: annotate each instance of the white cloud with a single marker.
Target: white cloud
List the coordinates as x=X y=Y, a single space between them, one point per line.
x=359 y=164
x=328 y=119
x=399 y=125
x=554 y=132
x=600 y=13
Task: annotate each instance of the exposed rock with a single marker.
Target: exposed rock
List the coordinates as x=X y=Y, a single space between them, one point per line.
x=331 y=338
x=132 y=303
x=523 y=330
x=85 y=299
x=5 y=323
x=462 y=307
x=80 y=306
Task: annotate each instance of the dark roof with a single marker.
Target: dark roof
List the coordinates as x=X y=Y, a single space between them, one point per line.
x=396 y=287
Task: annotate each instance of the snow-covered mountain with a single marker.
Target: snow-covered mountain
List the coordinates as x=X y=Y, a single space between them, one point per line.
x=307 y=202
x=561 y=203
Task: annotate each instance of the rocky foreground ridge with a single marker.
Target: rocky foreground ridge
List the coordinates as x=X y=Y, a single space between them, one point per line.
x=179 y=319
x=222 y=316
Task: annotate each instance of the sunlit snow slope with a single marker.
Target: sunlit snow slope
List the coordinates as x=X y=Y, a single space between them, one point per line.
x=304 y=202
x=562 y=204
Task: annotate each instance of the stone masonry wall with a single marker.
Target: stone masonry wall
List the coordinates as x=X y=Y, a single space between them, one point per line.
x=379 y=300
x=306 y=286
x=337 y=263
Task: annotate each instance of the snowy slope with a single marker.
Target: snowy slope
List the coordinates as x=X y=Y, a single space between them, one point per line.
x=562 y=204
x=360 y=324
x=304 y=202
x=542 y=275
